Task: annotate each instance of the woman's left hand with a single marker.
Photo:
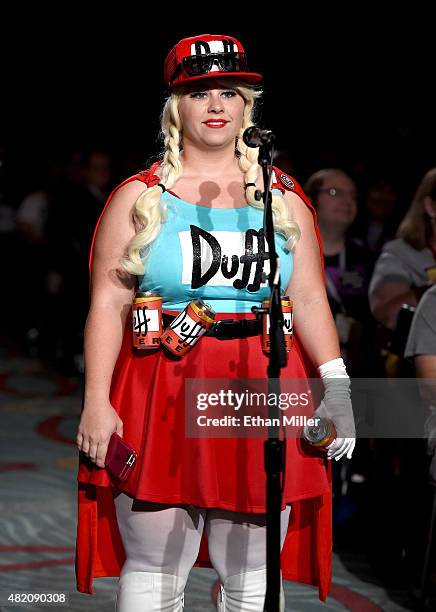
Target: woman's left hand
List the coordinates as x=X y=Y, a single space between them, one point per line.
x=336 y=406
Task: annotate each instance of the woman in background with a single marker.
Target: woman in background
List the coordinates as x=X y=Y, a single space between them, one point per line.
x=401 y=272
x=347 y=264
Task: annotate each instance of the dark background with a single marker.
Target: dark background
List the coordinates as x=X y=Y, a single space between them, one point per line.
x=347 y=89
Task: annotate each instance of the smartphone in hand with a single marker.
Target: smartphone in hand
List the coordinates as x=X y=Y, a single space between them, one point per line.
x=120 y=457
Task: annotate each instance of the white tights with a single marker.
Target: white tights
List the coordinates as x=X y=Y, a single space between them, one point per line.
x=166 y=538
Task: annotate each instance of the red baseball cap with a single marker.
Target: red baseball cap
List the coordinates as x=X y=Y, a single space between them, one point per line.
x=207 y=56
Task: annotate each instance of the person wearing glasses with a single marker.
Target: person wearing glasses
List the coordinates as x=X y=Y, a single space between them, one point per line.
x=201 y=501
x=347 y=262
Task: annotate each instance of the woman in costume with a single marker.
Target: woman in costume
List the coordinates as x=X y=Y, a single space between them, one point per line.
x=201 y=501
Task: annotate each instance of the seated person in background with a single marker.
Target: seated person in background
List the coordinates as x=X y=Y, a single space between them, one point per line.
x=421 y=345
x=377 y=221
x=347 y=262
x=400 y=274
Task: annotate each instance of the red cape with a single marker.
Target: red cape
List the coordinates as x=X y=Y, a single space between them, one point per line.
x=307 y=552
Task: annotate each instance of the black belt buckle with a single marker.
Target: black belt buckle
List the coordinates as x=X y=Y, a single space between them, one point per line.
x=225 y=329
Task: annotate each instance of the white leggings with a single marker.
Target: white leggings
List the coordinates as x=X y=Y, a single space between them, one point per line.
x=166 y=538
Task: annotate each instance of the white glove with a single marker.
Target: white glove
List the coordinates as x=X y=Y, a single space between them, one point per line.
x=336 y=406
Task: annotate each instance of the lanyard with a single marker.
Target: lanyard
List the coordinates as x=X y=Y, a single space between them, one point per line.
x=331 y=287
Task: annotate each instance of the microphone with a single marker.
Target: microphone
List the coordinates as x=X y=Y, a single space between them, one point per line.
x=255 y=137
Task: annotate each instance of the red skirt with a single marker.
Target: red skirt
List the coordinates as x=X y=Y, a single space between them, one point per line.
x=148 y=393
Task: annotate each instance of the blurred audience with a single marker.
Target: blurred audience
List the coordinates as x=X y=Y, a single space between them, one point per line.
x=400 y=274
x=71 y=222
x=347 y=264
x=377 y=220
x=421 y=346
x=31 y=221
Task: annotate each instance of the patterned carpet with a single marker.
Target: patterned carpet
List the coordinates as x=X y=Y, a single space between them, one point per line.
x=39 y=413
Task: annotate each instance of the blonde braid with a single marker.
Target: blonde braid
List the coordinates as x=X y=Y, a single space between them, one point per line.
x=171 y=129
x=149 y=212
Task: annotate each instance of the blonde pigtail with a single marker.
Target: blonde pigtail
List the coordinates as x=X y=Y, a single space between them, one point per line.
x=149 y=212
x=249 y=164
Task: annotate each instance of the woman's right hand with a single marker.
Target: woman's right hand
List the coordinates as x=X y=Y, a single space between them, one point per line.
x=97 y=423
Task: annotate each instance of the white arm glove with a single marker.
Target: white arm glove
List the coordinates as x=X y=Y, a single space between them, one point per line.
x=336 y=406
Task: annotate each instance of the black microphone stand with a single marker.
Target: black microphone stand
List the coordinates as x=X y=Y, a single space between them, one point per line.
x=274 y=447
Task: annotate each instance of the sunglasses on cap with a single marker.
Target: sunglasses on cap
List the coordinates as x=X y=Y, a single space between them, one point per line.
x=195 y=65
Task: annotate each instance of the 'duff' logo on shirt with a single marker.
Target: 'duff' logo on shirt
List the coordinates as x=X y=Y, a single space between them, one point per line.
x=224 y=258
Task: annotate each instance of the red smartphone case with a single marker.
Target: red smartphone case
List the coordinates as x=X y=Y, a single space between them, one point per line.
x=120 y=457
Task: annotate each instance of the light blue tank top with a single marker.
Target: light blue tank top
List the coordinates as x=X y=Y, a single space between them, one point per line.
x=212 y=254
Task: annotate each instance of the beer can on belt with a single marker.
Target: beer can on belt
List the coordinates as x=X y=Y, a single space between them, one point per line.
x=147 y=320
x=188 y=327
x=287 y=309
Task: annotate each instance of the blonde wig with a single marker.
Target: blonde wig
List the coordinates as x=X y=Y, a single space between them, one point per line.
x=149 y=212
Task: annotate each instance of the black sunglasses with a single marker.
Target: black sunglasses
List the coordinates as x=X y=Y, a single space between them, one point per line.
x=195 y=65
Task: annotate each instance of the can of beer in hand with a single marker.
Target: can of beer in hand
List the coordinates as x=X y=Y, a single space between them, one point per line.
x=147 y=320
x=288 y=322
x=321 y=434
x=187 y=328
